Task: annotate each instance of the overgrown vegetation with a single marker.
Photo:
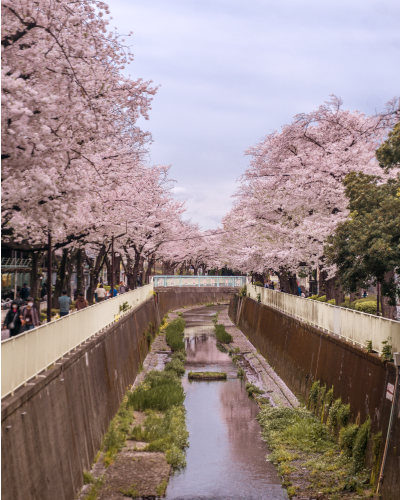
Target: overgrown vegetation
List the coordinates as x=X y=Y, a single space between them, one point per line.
x=94 y=489
x=174 y=334
x=253 y=389
x=131 y=492
x=207 y=375
x=222 y=335
x=166 y=433
x=159 y=391
x=299 y=440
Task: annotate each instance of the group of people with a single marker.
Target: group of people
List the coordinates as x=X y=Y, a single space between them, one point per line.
x=21 y=318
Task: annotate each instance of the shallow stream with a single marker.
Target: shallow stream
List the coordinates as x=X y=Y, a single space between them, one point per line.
x=226 y=456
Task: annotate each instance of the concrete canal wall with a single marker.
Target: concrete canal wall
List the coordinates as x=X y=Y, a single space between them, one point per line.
x=53 y=427
x=300 y=354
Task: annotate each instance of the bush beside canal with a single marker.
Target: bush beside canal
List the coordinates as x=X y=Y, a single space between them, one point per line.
x=317 y=450
x=174 y=334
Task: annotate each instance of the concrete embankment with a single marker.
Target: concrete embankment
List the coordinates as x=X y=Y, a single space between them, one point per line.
x=301 y=354
x=52 y=428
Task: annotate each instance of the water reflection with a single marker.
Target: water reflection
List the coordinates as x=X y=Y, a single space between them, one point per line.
x=226 y=457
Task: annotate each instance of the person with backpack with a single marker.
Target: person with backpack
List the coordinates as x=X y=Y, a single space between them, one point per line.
x=29 y=316
x=12 y=320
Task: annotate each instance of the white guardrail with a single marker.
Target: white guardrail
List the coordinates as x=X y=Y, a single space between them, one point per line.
x=354 y=326
x=191 y=280
x=27 y=354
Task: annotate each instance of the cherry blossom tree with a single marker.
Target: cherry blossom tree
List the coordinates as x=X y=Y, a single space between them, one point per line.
x=291 y=197
x=67 y=110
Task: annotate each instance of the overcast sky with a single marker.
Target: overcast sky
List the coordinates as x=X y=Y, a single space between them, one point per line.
x=231 y=71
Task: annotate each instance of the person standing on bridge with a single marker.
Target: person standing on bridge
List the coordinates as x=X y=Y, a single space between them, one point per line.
x=29 y=316
x=81 y=302
x=64 y=302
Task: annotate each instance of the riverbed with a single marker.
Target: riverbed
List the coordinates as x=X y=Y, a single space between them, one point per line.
x=226 y=457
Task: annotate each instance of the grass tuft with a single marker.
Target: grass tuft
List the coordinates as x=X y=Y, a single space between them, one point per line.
x=161 y=488
x=132 y=492
x=207 y=375
x=94 y=489
x=222 y=335
x=174 y=334
x=159 y=391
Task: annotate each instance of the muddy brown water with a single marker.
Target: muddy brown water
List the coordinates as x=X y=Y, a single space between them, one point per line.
x=226 y=456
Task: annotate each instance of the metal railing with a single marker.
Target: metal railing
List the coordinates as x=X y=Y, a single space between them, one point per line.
x=27 y=354
x=14 y=262
x=177 y=280
x=354 y=326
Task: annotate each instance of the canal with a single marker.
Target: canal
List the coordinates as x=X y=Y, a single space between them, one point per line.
x=226 y=456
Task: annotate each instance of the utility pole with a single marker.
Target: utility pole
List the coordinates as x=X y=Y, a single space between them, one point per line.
x=49 y=269
x=112 y=267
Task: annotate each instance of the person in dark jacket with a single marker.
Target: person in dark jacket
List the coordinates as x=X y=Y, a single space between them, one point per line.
x=24 y=292
x=29 y=316
x=12 y=320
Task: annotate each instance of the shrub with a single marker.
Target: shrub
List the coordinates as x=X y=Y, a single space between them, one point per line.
x=168 y=434
x=159 y=391
x=360 y=445
x=368 y=307
x=258 y=283
x=243 y=291
x=222 y=335
x=332 y=301
x=313 y=297
x=174 y=334
x=176 y=366
x=321 y=299
x=347 y=438
x=253 y=389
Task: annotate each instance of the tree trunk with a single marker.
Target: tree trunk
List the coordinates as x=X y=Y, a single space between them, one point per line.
x=94 y=274
x=68 y=273
x=258 y=277
x=388 y=311
x=35 y=281
x=61 y=268
x=79 y=271
x=288 y=282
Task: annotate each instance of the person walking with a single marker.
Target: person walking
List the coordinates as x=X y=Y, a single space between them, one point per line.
x=29 y=316
x=12 y=320
x=101 y=293
x=81 y=302
x=24 y=292
x=64 y=302
x=122 y=288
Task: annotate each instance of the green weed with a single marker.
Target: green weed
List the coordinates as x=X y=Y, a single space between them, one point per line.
x=132 y=492
x=174 y=334
x=207 y=375
x=161 y=488
x=94 y=489
x=88 y=477
x=222 y=335
x=159 y=391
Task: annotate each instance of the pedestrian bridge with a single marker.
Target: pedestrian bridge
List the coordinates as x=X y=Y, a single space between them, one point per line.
x=199 y=281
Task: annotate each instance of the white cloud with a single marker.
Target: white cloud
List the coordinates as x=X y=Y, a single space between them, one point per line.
x=231 y=71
